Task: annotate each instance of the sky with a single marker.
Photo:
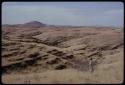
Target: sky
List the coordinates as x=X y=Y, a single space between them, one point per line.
x=64 y=13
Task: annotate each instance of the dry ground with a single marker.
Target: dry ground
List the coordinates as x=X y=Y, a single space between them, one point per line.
x=62 y=55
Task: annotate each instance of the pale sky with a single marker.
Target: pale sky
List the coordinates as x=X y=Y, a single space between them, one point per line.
x=64 y=13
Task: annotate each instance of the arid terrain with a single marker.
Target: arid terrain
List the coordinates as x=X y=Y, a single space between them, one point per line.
x=38 y=53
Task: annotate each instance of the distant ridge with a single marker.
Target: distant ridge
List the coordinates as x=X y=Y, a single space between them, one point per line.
x=32 y=24
x=37 y=24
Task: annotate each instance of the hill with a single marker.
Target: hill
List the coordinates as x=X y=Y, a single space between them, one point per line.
x=58 y=53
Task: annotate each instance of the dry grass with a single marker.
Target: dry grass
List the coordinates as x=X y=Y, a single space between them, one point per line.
x=26 y=51
x=109 y=72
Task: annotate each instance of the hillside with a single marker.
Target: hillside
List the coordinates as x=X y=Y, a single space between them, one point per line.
x=35 y=53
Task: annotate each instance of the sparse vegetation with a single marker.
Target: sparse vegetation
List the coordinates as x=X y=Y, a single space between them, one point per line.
x=61 y=55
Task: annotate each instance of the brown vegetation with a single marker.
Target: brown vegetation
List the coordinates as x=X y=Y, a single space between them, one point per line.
x=61 y=54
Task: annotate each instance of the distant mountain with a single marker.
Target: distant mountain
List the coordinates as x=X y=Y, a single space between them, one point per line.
x=32 y=24
x=37 y=24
